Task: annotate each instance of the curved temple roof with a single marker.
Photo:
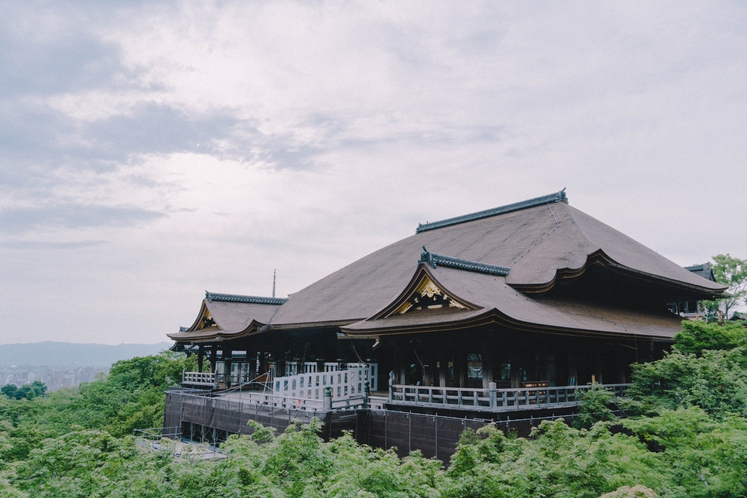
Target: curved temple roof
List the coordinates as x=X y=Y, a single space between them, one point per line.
x=539 y=241
x=494 y=301
x=229 y=316
x=494 y=266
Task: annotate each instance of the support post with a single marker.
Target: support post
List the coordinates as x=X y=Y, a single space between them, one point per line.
x=328 y=398
x=493 y=393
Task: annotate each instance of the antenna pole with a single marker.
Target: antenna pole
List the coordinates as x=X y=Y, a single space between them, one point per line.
x=274 y=273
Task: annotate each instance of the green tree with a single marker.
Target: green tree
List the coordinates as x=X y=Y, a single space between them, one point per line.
x=733 y=273
x=715 y=382
x=26 y=391
x=697 y=336
x=595 y=407
x=9 y=390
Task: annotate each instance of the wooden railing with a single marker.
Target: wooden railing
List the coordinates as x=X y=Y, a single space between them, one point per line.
x=341 y=384
x=370 y=371
x=248 y=399
x=493 y=399
x=198 y=378
x=366 y=372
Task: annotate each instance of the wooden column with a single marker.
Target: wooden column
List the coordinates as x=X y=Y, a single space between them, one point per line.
x=598 y=371
x=227 y=354
x=213 y=357
x=400 y=363
x=486 y=352
x=200 y=357
x=460 y=365
x=443 y=359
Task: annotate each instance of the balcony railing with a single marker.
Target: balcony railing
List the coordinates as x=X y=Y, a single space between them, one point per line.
x=493 y=399
x=310 y=377
x=198 y=378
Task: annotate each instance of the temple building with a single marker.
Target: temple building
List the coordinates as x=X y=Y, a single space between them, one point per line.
x=535 y=294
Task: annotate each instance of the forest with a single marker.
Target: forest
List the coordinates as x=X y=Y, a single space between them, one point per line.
x=681 y=431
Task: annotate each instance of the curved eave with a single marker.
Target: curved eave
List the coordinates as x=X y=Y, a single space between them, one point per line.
x=392 y=326
x=312 y=325
x=599 y=258
x=216 y=334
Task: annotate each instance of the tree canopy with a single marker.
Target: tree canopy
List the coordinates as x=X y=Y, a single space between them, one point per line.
x=732 y=272
x=681 y=432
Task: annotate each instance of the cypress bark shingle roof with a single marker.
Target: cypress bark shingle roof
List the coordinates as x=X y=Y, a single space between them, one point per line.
x=540 y=244
x=229 y=316
x=499 y=266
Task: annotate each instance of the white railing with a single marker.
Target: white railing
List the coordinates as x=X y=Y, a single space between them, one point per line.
x=493 y=399
x=198 y=378
x=342 y=383
x=371 y=370
x=310 y=378
x=253 y=399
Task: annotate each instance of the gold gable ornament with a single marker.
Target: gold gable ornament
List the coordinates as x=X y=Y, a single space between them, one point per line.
x=206 y=321
x=428 y=296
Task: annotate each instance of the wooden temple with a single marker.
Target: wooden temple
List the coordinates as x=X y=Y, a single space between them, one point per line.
x=530 y=295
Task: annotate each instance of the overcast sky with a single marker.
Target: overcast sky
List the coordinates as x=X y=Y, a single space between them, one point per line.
x=150 y=151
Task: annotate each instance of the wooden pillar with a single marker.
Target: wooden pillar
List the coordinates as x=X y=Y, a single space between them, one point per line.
x=200 y=356
x=598 y=370
x=460 y=364
x=401 y=365
x=486 y=352
x=443 y=360
x=213 y=356
x=227 y=354
x=428 y=366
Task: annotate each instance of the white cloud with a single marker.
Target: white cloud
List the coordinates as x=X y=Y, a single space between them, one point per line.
x=202 y=144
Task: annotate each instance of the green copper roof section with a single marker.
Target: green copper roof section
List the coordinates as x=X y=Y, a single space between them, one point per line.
x=234 y=298
x=436 y=260
x=537 y=201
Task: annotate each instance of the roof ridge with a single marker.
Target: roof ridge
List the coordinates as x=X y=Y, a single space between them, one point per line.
x=236 y=298
x=700 y=267
x=508 y=208
x=434 y=260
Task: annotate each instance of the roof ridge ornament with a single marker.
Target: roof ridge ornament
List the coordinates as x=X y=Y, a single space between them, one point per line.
x=434 y=260
x=236 y=298
x=517 y=206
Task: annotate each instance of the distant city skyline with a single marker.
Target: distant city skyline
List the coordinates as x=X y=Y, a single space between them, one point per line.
x=154 y=150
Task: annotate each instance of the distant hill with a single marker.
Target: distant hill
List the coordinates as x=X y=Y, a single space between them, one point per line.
x=72 y=354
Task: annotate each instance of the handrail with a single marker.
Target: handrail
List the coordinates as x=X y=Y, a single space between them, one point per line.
x=341 y=384
x=249 y=399
x=198 y=378
x=493 y=399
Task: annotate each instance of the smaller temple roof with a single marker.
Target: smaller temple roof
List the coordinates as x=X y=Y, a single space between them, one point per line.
x=229 y=316
x=490 y=299
x=703 y=270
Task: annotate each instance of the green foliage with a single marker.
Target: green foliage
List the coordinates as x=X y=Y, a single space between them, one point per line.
x=702 y=456
x=556 y=461
x=26 y=391
x=715 y=382
x=631 y=492
x=697 y=336
x=688 y=439
x=595 y=407
x=733 y=273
